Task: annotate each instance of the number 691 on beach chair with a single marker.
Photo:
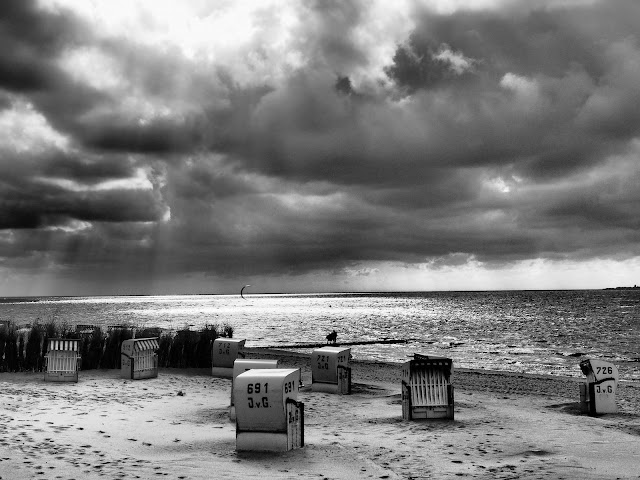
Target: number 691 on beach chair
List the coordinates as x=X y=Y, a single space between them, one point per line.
x=426 y=388
x=242 y=365
x=269 y=416
x=62 y=360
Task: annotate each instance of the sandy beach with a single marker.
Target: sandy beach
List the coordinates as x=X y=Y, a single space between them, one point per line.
x=177 y=426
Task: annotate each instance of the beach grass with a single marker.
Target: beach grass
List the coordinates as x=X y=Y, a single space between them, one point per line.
x=24 y=349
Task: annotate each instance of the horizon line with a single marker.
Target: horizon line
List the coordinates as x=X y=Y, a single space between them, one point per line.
x=349 y=292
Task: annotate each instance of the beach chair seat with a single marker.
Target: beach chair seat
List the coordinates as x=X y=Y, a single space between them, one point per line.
x=63 y=360
x=269 y=416
x=139 y=358
x=224 y=352
x=598 y=392
x=427 y=391
x=330 y=370
x=242 y=365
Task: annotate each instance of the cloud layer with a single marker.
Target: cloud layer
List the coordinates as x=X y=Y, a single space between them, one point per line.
x=161 y=142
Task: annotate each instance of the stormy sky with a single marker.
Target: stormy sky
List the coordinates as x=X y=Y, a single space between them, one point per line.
x=196 y=146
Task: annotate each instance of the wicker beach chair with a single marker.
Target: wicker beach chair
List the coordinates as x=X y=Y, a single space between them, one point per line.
x=62 y=360
x=426 y=388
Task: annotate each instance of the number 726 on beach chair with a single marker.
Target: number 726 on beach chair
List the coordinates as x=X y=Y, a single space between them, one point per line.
x=598 y=393
x=62 y=360
x=426 y=388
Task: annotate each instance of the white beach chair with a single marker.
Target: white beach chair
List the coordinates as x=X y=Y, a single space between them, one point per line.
x=269 y=416
x=224 y=352
x=138 y=358
x=426 y=388
x=330 y=370
x=598 y=392
x=242 y=365
x=62 y=360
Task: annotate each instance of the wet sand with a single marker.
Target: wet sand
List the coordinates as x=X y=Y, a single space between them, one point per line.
x=177 y=426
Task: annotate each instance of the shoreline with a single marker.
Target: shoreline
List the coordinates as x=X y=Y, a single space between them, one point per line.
x=177 y=425
x=476 y=380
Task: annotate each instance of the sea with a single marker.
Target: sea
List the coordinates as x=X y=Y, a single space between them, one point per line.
x=539 y=332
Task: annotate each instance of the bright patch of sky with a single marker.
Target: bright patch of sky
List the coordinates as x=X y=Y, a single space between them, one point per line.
x=24 y=129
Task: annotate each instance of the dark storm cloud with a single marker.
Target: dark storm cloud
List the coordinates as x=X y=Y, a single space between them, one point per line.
x=551 y=44
x=544 y=96
x=305 y=130
x=51 y=188
x=86 y=169
x=33 y=41
x=41 y=206
x=343 y=85
x=170 y=84
x=330 y=30
x=126 y=136
x=416 y=66
x=30 y=41
x=5 y=101
x=496 y=135
x=205 y=181
x=27 y=26
x=98 y=251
